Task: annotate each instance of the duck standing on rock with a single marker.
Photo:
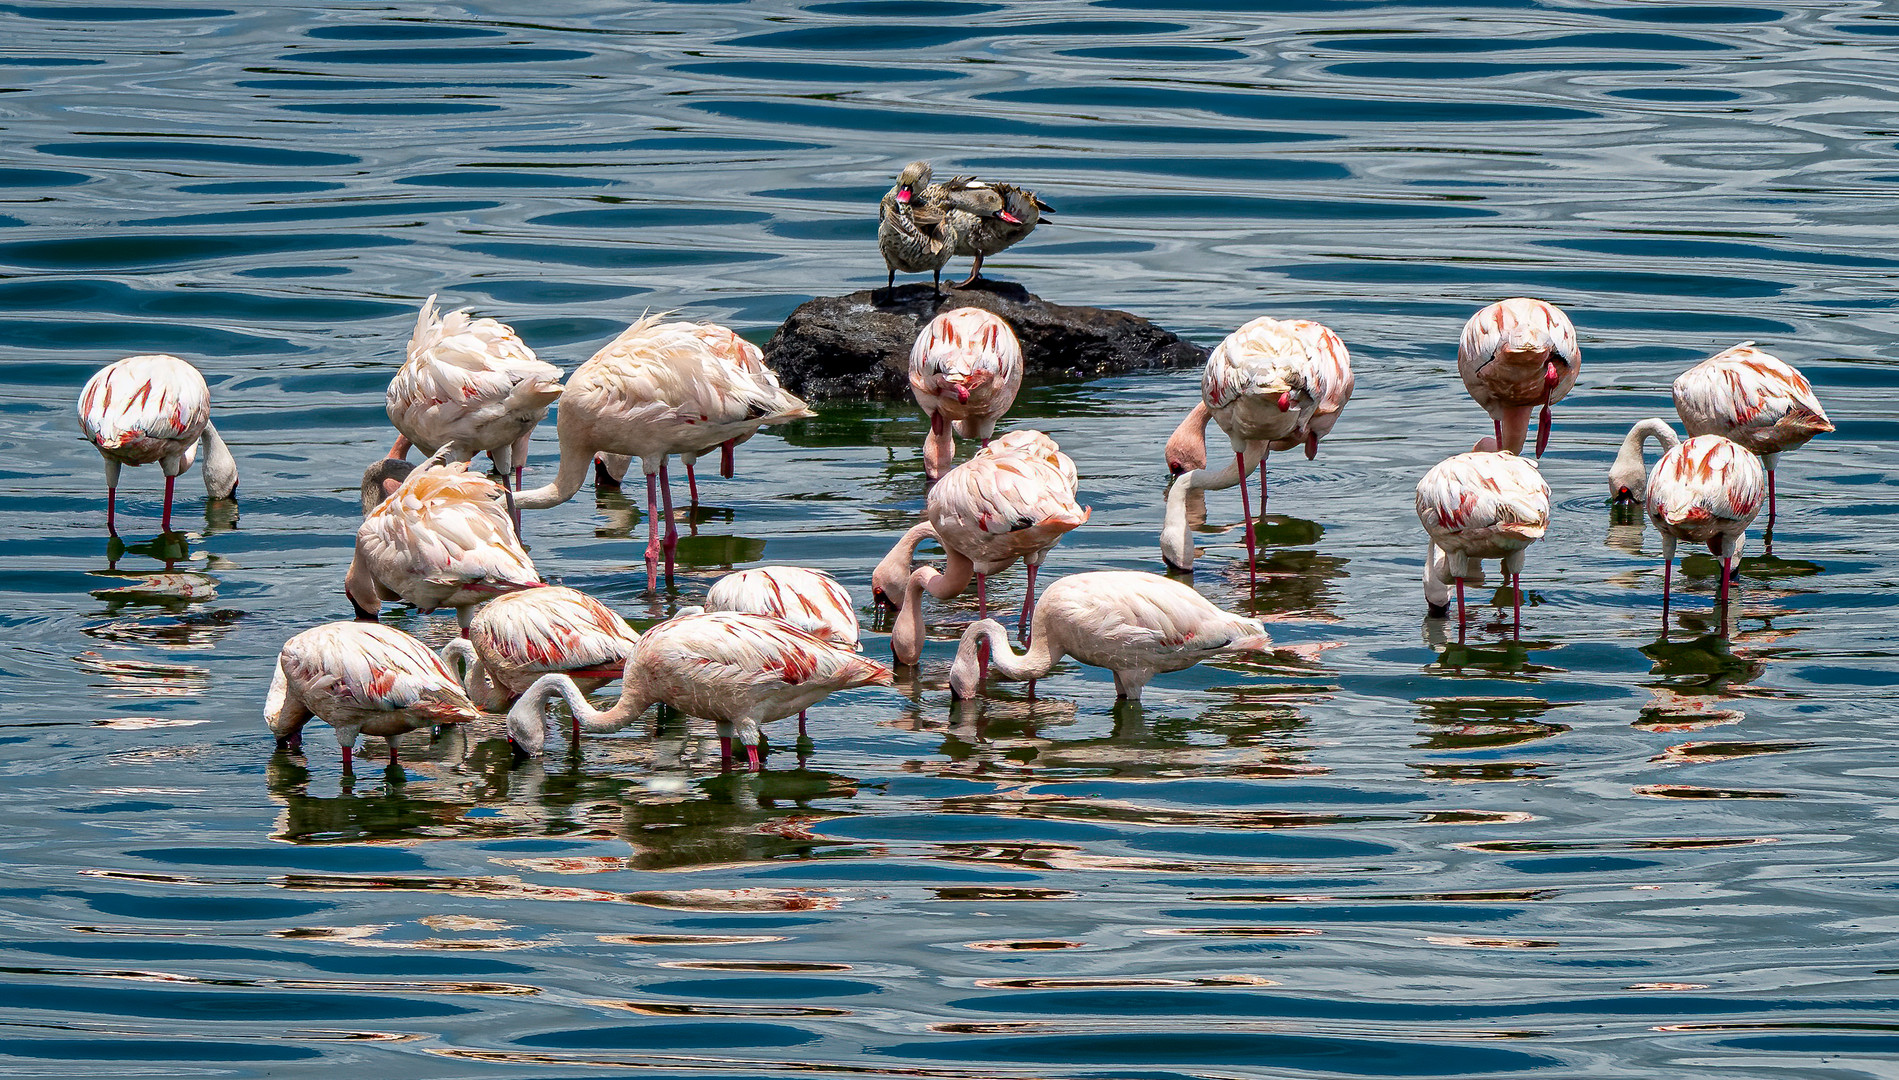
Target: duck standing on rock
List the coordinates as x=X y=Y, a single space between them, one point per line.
x=910 y=227
x=983 y=219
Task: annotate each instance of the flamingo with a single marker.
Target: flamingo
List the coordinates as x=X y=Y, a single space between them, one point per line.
x=154 y=408
x=1754 y=398
x=737 y=669
x=471 y=386
x=1514 y=355
x=518 y=637
x=1013 y=500
x=966 y=366
x=361 y=679
x=1135 y=624
x=811 y=600
x=1705 y=491
x=442 y=539
x=660 y=389
x=1481 y=505
x=1270 y=385
x=1628 y=477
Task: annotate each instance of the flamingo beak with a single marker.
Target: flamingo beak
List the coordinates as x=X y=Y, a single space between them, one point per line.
x=1285 y=401
x=962 y=394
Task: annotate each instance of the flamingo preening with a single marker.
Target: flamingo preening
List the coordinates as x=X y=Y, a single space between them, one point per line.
x=661 y=388
x=1135 y=624
x=154 y=408
x=517 y=637
x=443 y=538
x=1270 y=385
x=361 y=679
x=965 y=367
x=1754 y=398
x=1515 y=355
x=811 y=600
x=736 y=669
x=1705 y=491
x=1476 y=506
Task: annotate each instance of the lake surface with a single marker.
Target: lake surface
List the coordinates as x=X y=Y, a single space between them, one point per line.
x=1592 y=853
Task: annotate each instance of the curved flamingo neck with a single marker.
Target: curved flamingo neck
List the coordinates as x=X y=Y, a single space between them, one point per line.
x=576 y=461
x=527 y=721
x=889 y=579
x=475 y=681
x=220 y=468
x=1187 y=446
x=1006 y=662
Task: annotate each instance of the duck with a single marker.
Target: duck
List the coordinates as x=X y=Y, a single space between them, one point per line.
x=911 y=230
x=985 y=218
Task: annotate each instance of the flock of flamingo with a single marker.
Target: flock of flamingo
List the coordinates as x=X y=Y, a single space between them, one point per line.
x=769 y=642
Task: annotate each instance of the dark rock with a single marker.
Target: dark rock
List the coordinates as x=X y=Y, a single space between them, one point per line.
x=859 y=345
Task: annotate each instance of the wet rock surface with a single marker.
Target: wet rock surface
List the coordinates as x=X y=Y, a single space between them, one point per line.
x=859 y=345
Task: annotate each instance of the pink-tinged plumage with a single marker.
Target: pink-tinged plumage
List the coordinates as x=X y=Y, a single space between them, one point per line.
x=811 y=600
x=1515 y=355
x=1270 y=385
x=518 y=637
x=360 y=678
x=1014 y=499
x=1477 y=506
x=662 y=388
x=154 y=408
x=966 y=367
x=1707 y=490
x=1136 y=625
x=471 y=385
x=1754 y=398
x=442 y=539
x=740 y=670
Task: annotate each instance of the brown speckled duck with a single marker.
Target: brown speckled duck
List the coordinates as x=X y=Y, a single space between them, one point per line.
x=910 y=226
x=985 y=218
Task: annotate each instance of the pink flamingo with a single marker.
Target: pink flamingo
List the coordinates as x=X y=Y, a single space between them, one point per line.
x=1754 y=398
x=811 y=600
x=472 y=386
x=1705 y=491
x=154 y=408
x=1514 y=355
x=736 y=669
x=442 y=539
x=1014 y=499
x=361 y=679
x=966 y=366
x=1628 y=477
x=656 y=390
x=1477 y=506
x=518 y=637
x=1270 y=385
x=1135 y=624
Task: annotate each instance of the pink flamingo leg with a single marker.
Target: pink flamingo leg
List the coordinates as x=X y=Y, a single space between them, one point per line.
x=1262 y=487
x=348 y=762
x=1460 y=611
x=1668 y=573
x=1497 y=422
x=1028 y=609
x=672 y=529
x=1725 y=563
x=692 y=485
x=393 y=759
x=1516 y=604
x=1770 y=508
x=111 y=505
x=1246 y=509
x=725 y=458
x=576 y=721
x=982 y=596
x=802 y=734
x=725 y=753
x=652 y=531
x=751 y=757
x=169 y=481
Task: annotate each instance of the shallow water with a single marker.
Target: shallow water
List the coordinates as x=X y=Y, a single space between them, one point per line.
x=1591 y=853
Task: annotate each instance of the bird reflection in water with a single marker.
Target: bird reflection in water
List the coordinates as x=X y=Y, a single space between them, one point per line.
x=1293 y=580
x=1706 y=665
x=1483 y=723
x=1507 y=656
x=160 y=607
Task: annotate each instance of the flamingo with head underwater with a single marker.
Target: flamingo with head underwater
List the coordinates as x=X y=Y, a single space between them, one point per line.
x=1481 y=505
x=517 y=637
x=154 y=408
x=361 y=679
x=965 y=367
x=1706 y=490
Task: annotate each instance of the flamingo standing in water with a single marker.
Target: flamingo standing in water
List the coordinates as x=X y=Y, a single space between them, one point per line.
x=1754 y=398
x=518 y=637
x=361 y=679
x=966 y=366
x=1013 y=500
x=1515 y=355
x=1476 y=506
x=1270 y=385
x=811 y=600
x=154 y=408
x=737 y=669
x=660 y=389
x=471 y=386
x=1705 y=491
x=1628 y=477
x=1135 y=624
x=442 y=539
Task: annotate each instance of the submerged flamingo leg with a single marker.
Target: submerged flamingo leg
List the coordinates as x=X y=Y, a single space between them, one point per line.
x=1770 y=510
x=165 y=526
x=751 y=756
x=802 y=734
x=348 y=762
x=1028 y=609
x=1246 y=509
x=1262 y=487
x=652 y=531
x=672 y=530
x=725 y=753
x=111 y=505
x=1668 y=573
x=1725 y=563
x=1516 y=605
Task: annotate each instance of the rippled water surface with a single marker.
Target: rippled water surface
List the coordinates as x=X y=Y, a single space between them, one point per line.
x=1592 y=853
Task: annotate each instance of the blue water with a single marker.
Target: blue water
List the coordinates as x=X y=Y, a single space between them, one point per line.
x=1595 y=853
